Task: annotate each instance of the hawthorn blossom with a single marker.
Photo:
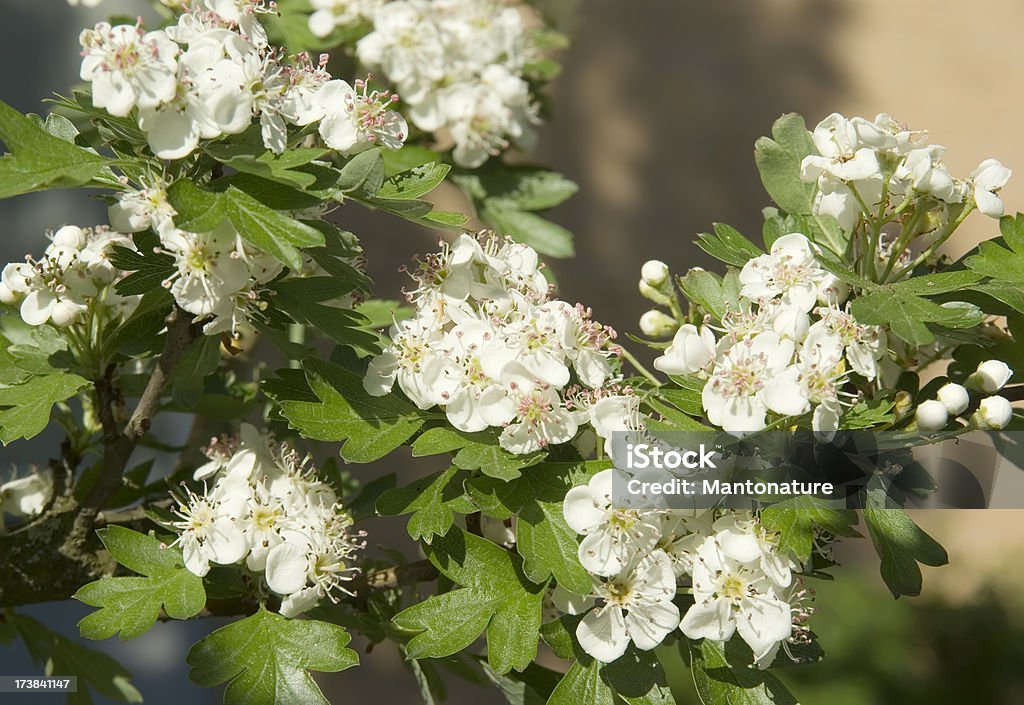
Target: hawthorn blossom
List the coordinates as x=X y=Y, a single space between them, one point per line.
x=789 y=270
x=267 y=506
x=734 y=595
x=128 y=67
x=990 y=376
x=612 y=535
x=691 y=352
x=988 y=179
x=26 y=496
x=357 y=119
x=636 y=608
x=734 y=396
x=995 y=412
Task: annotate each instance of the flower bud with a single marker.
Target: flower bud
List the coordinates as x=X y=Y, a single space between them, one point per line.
x=954 y=397
x=70 y=236
x=994 y=413
x=656 y=324
x=904 y=401
x=652 y=294
x=990 y=376
x=931 y=416
x=654 y=272
x=691 y=351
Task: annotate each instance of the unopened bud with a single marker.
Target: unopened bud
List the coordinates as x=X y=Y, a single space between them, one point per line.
x=654 y=272
x=954 y=397
x=990 y=376
x=903 y=402
x=931 y=416
x=656 y=324
x=994 y=413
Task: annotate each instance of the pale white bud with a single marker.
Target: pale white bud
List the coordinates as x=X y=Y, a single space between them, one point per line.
x=652 y=294
x=990 y=376
x=27 y=496
x=954 y=397
x=654 y=272
x=995 y=412
x=931 y=416
x=70 y=236
x=690 y=352
x=656 y=324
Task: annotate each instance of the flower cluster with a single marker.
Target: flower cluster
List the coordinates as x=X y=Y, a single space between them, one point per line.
x=263 y=504
x=638 y=559
x=491 y=347
x=457 y=63
x=859 y=161
x=74 y=273
x=213 y=74
x=788 y=352
x=994 y=411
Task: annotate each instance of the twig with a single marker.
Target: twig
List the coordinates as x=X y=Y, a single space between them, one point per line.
x=119 y=445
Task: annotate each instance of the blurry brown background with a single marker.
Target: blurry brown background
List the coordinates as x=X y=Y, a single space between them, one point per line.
x=656 y=114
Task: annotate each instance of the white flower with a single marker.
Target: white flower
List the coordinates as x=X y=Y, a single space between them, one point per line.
x=208 y=268
x=135 y=211
x=328 y=14
x=840 y=153
x=988 y=178
x=931 y=416
x=789 y=270
x=990 y=376
x=691 y=351
x=27 y=496
x=954 y=397
x=611 y=535
x=128 y=67
x=734 y=396
x=207 y=534
x=654 y=272
x=355 y=120
x=995 y=412
x=541 y=418
x=612 y=414
x=838 y=333
x=736 y=596
x=414 y=360
x=923 y=171
x=813 y=381
x=637 y=607
x=656 y=324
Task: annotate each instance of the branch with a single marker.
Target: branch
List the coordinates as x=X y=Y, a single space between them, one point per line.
x=119 y=445
x=51 y=557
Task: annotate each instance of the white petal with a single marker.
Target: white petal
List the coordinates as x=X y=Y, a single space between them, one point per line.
x=603 y=635
x=709 y=619
x=763 y=622
x=298 y=602
x=583 y=511
x=286 y=569
x=649 y=624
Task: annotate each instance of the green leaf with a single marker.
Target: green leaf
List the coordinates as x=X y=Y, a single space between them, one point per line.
x=531 y=687
x=728 y=245
x=200 y=359
x=266 y=229
x=309 y=300
x=496 y=597
x=255 y=159
x=778 y=161
x=711 y=292
x=60 y=656
x=901 y=545
x=427 y=500
x=524 y=188
x=29 y=403
x=797 y=519
x=906 y=313
x=636 y=678
x=371 y=427
x=131 y=605
x=38 y=159
x=266 y=659
x=530 y=229
x=475 y=451
x=363 y=172
x=718 y=682
x=546 y=543
x=148 y=269
x=415 y=182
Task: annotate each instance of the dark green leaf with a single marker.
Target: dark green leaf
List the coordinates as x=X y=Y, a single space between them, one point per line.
x=266 y=659
x=130 y=606
x=28 y=404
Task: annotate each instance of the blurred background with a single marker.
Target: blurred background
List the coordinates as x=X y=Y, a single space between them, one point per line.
x=656 y=114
